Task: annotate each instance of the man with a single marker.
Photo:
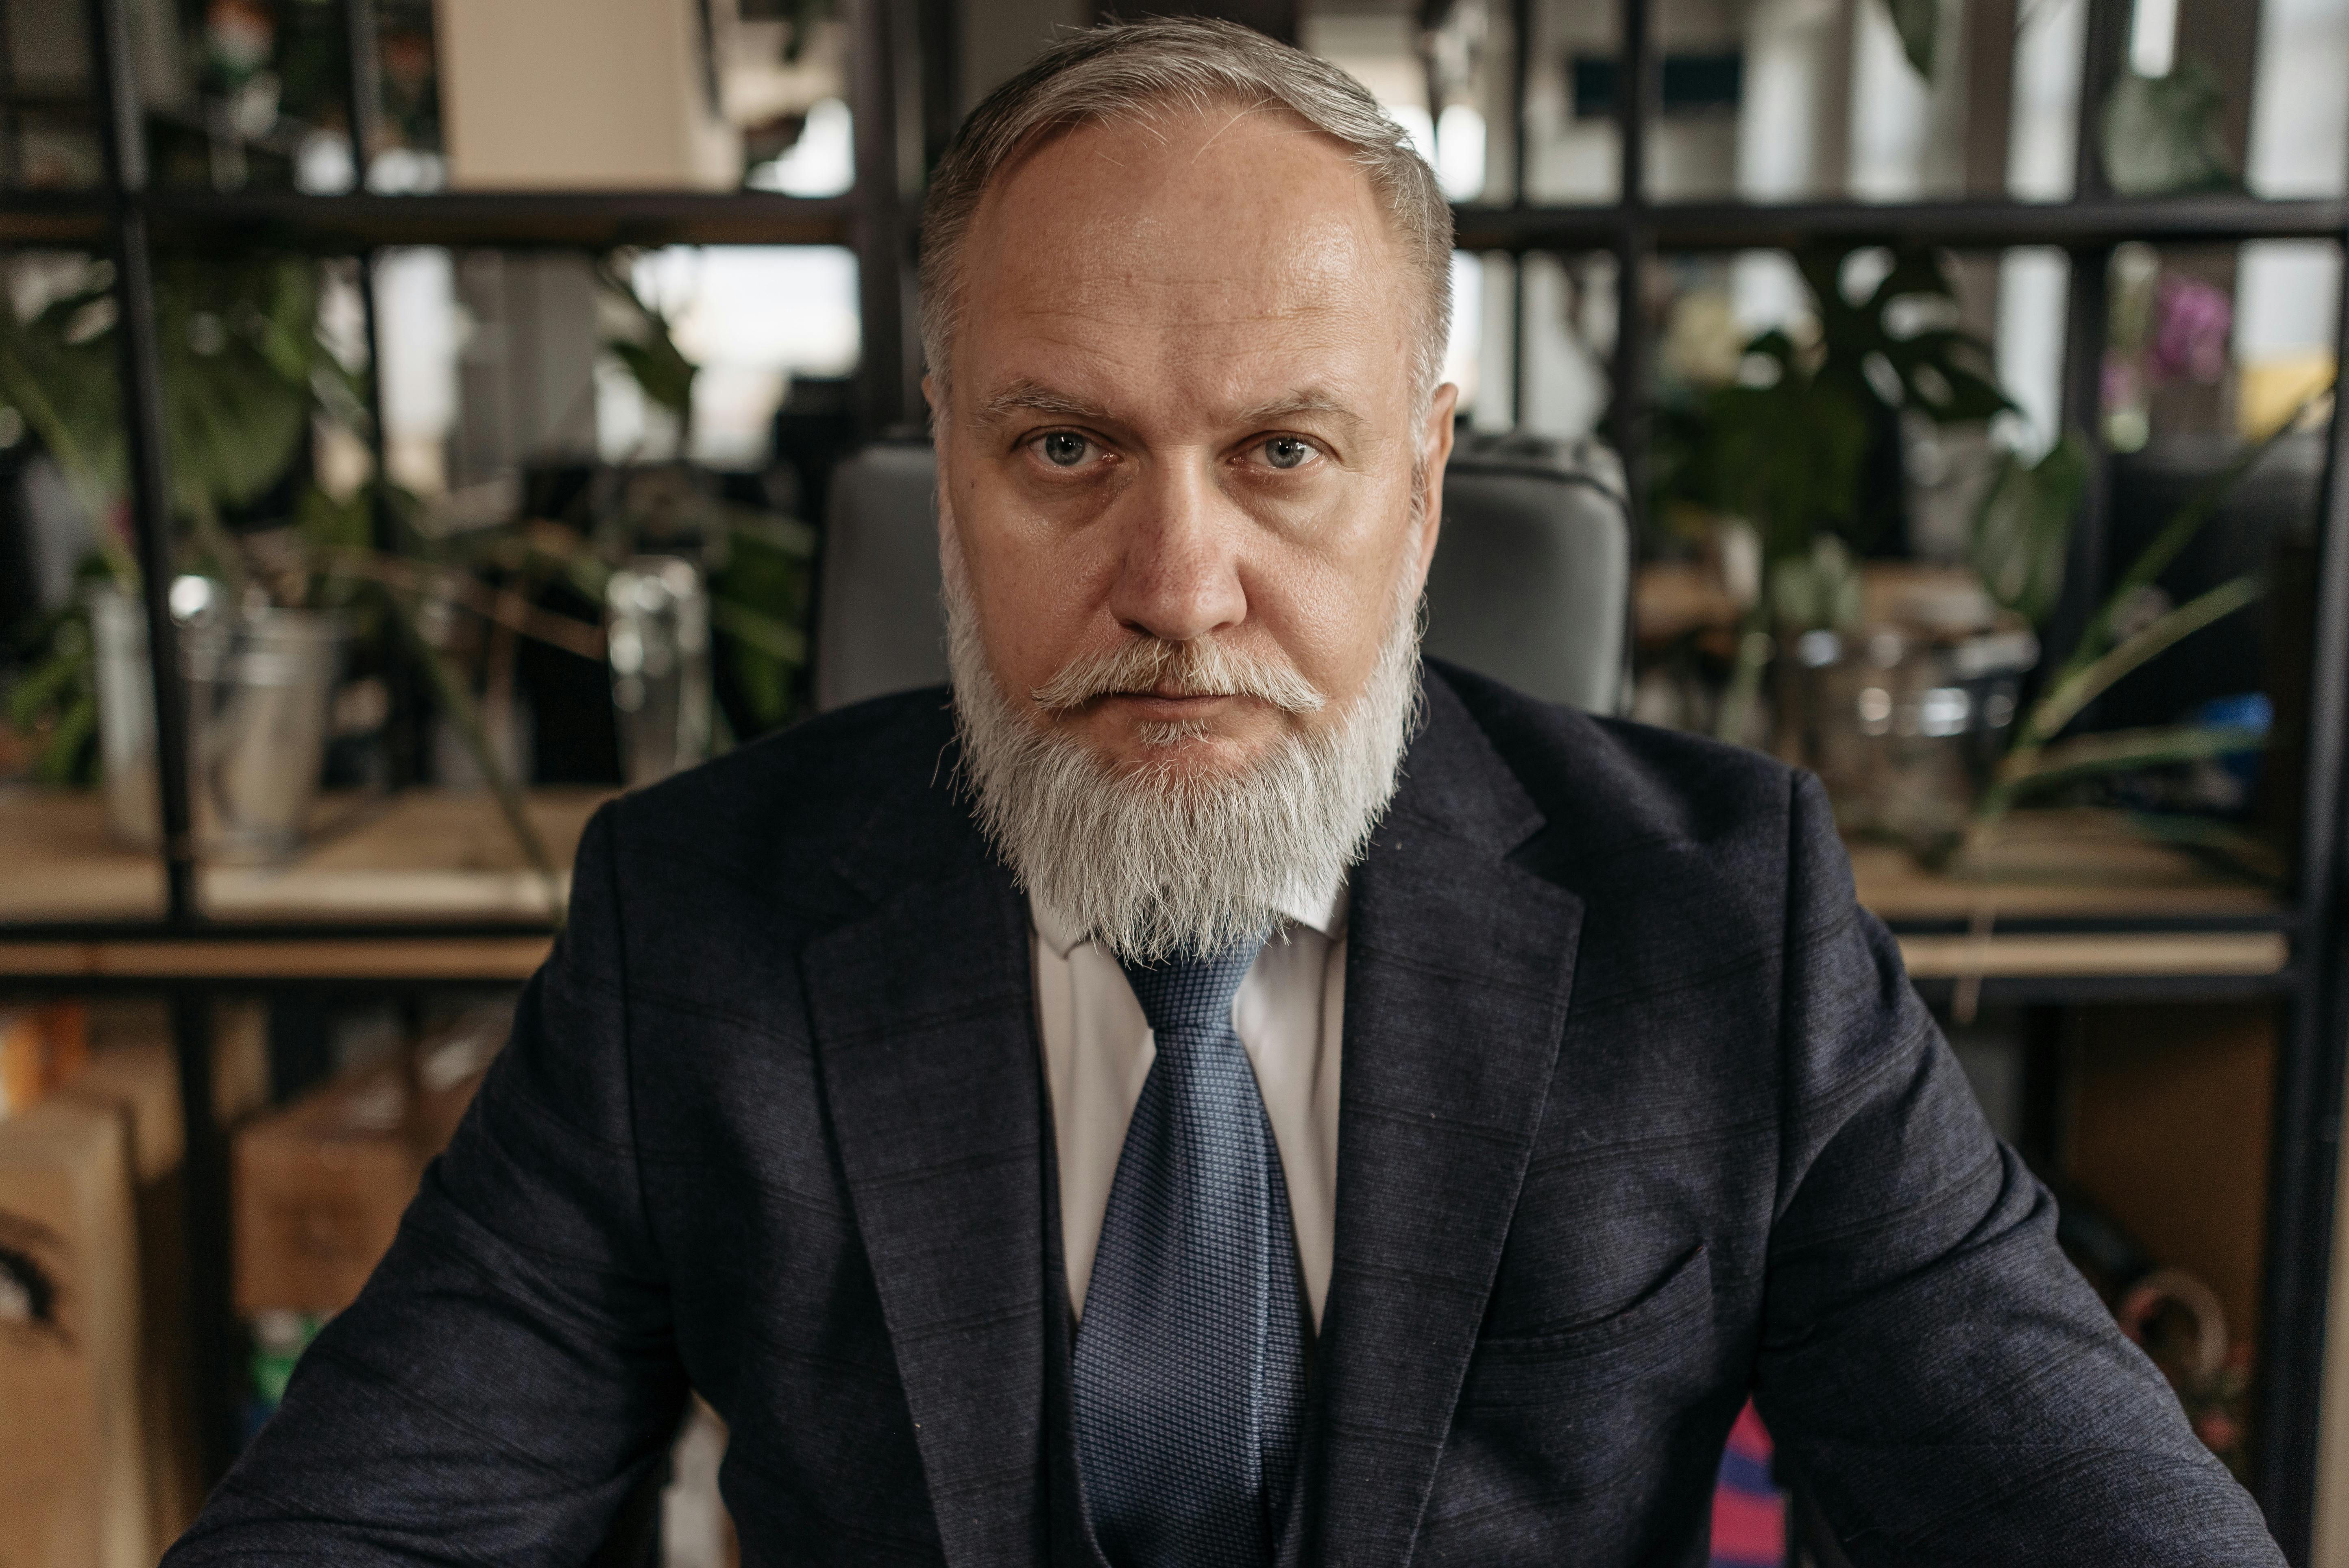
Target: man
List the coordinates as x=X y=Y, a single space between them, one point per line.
x=1216 y=1090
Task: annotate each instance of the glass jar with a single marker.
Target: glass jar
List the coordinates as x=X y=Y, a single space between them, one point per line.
x=1905 y=727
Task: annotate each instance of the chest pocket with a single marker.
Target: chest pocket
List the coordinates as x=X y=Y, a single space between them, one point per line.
x=1665 y=1326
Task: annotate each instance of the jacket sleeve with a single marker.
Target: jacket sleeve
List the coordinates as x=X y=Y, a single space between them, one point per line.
x=1947 y=1385
x=508 y=1373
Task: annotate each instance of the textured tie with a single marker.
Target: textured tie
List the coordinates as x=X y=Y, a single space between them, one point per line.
x=1190 y=1363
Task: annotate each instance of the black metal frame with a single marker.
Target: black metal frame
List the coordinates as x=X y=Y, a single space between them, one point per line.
x=900 y=90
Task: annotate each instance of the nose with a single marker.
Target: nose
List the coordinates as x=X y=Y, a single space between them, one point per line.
x=1179 y=567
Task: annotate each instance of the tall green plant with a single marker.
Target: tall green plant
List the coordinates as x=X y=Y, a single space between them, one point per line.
x=2035 y=758
x=242 y=369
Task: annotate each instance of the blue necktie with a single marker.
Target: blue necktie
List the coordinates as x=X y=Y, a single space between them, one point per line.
x=1190 y=1363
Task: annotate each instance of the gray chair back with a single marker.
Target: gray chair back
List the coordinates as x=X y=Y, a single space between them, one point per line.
x=1531 y=581
x=878 y=627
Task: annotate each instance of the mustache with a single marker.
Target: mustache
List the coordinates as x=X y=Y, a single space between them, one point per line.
x=1201 y=666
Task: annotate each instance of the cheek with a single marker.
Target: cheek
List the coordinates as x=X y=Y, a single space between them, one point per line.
x=1037 y=585
x=1328 y=597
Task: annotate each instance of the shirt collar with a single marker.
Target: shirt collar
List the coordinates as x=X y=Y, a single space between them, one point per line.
x=1317 y=908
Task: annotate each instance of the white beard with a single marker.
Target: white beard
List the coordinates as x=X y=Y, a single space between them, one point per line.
x=1157 y=863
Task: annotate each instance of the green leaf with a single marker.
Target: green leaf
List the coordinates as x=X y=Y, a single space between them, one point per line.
x=239 y=345
x=324 y=524
x=51 y=682
x=2022 y=530
x=62 y=758
x=765 y=633
x=1919 y=23
x=759 y=604
x=649 y=354
x=1915 y=271
x=665 y=374
x=2180 y=531
x=237 y=412
x=2080 y=685
x=2121 y=750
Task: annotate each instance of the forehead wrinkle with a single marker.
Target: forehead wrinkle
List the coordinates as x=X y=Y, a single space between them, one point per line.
x=1320 y=275
x=1231 y=383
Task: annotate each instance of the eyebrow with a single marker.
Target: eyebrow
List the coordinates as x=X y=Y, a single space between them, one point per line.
x=1034 y=397
x=1295 y=403
x=1025 y=396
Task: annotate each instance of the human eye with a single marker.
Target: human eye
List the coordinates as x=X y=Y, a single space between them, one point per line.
x=1065 y=449
x=1287 y=453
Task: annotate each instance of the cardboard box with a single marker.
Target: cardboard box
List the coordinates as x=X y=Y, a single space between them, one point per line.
x=320 y=1186
x=240 y=1058
x=97 y=1451
x=40 y=1048
x=594 y=94
x=138 y=1079
x=73 y=1453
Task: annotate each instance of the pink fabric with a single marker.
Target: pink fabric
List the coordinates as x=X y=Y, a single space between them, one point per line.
x=1749 y=1439
x=1749 y=1515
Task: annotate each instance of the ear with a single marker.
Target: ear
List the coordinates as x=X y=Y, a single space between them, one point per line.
x=1434 y=452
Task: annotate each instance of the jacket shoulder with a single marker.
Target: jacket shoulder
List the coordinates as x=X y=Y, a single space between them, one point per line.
x=1613 y=786
x=776 y=812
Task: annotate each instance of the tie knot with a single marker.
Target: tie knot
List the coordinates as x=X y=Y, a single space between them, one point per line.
x=1192 y=996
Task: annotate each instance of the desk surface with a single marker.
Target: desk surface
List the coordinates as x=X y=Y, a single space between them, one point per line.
x=447 y=858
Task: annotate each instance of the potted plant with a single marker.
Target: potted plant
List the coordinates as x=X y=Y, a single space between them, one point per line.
x=1802 y=445
x=262 y=638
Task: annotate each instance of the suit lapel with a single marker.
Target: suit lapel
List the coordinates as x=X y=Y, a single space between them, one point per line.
x=925 y=1029
x=1458 y=969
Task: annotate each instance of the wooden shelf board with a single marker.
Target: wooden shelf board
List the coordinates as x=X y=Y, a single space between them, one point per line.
x=2129 y=956
x=60 y=864
x=2072 y=864
x=420 y=855
x=446 y=856
x=456 y=958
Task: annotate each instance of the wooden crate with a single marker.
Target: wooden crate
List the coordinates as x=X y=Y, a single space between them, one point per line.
x=320 y=1186
x=74 y=1465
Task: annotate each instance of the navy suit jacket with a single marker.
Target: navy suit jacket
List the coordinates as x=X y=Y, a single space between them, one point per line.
x=1639 y=1115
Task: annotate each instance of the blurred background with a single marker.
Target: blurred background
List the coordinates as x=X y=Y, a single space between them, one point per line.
x=422 y=419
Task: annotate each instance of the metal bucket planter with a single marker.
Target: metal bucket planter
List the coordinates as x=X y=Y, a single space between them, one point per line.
x=260 y=686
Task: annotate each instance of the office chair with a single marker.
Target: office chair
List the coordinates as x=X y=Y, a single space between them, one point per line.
x=1530 y=585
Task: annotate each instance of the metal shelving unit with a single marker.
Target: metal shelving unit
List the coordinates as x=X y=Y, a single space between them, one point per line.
x=901 y=108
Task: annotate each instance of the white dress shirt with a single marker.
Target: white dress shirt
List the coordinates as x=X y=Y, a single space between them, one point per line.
x=1289 y=1012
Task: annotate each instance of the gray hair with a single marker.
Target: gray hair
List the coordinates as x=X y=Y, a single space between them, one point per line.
x=1123 y=72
